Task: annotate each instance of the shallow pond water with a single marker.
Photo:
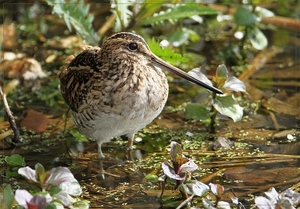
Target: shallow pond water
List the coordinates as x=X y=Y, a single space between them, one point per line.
x=247 y=157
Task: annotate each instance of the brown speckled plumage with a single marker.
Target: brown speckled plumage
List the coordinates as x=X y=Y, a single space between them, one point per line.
x=116 y=90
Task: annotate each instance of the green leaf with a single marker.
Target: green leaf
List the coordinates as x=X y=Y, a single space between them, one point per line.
x=8 y=196
x=152 y=177
x=166 y=53
x=15 y=160
x=178 y=12
x=175 y=151
x=53 y=205
x=181 y=36
x=221 y=76
x=257 y=38
x=227 y=105
x=197 y=112
x=79 y=137
x=149 y=9
x=123 y=12
x=244 y=16
x=178 y=38
x=12 y=173
x=222 y=71
x=41 y=175
x=54 y=190
x=75 y=13
x=81 y=204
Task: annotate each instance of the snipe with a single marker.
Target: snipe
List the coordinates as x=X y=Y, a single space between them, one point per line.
x=118 y=89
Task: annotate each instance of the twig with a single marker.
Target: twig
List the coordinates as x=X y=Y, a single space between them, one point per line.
x=107 y=25
x=11 y=118
x=186 y=201
x=258 y=62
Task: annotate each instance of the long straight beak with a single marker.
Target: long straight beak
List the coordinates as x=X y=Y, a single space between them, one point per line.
x=162 y=64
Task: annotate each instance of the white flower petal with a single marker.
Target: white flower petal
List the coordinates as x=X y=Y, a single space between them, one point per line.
x=65 y=198
x=189 y=166
x=73 y=188
x=22 y=196
x=196 y=72
x=169 y=171
x=263 y=203
x=273 y=195
x=59 y=175
x=28 y=173
x=200 y=188
x=234 y=84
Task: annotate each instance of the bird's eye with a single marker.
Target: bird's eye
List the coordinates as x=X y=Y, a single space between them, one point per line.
x=133 y=46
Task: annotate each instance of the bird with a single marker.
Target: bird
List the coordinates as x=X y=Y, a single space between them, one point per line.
x=117 y=89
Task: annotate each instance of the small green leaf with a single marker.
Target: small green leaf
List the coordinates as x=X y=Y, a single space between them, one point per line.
x=12 y=173
x=15 y=160
x=175 y=151
x=76 y=14
x=178 y=12
x=257 y=38
x=178 y=38
x=221 y=76
x=149 y=9
x=8 y=196
x=244 y=16
x=227 y=105
x=166 y=53
x=53 y=205
x=152 y=177
x=54 y=190
x=81 y=204
x=40 y=173
x=79 y=137
x=197 y=112
x=222 y=71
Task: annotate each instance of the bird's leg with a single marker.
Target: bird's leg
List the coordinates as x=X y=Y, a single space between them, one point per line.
x=130 y=141
x=130 y=145
x=100 y=158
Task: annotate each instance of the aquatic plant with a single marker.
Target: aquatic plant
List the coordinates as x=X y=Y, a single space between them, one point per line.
x=226 y=104
x=57 y=188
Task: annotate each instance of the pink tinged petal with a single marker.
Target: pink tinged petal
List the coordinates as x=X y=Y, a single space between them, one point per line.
x=263 y=203
x=196 y=72
x=28 y=173
x=293 y=196
x=187 y=167
x=216 y=189
x=22 y=196
x=169 y=171
x=39 y=201
x=59 y=175
x=234 y=84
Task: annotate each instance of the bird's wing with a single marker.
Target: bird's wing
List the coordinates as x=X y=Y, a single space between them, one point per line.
x=76 y=81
